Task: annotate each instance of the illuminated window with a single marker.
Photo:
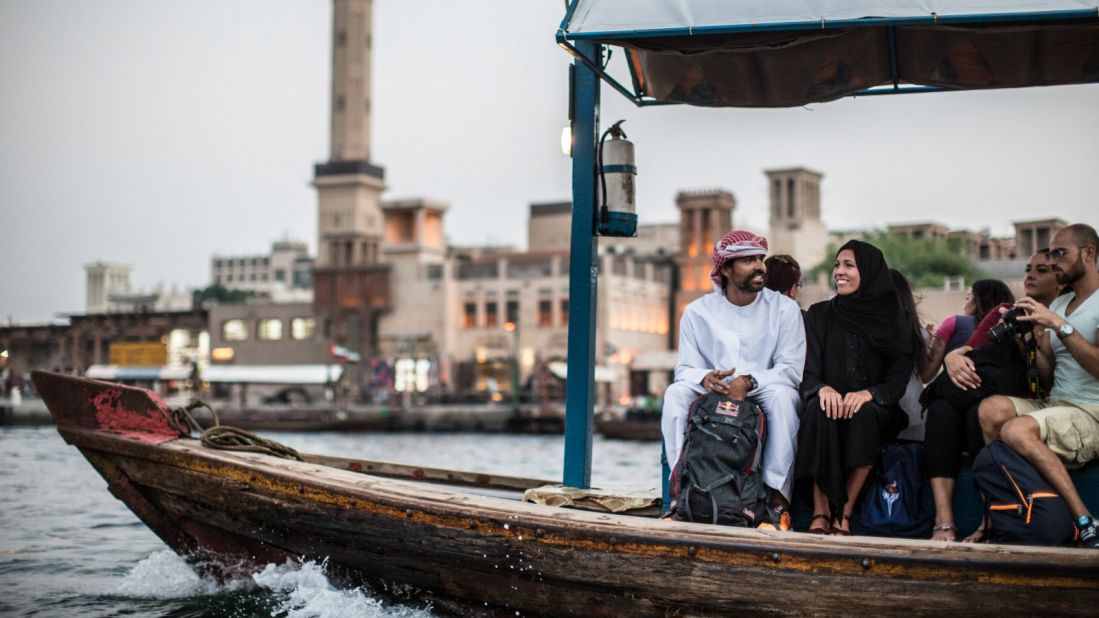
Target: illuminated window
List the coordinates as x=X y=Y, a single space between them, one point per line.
x=512 y=309
x=545 y=313
x=469 y=315
x=492 y=317
x=303 y=328
x=234 y=330
x=269 y=329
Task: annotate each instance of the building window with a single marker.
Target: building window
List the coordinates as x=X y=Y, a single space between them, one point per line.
x=434 y=272
x=513 y=312
x=303 y=328
x=269 y=329
x=234 y=330
x=564 y=312
x=280 y=274
x=545 y=313
x=492 y=317
x=469 y=315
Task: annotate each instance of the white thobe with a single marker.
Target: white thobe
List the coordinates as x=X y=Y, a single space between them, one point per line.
x=765 y=339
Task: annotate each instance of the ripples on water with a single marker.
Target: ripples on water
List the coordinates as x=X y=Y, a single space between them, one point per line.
x=67 y=547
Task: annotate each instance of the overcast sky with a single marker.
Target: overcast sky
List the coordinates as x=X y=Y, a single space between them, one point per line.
x=159 y=133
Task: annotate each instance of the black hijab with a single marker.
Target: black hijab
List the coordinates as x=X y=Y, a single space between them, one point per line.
x=873 y=311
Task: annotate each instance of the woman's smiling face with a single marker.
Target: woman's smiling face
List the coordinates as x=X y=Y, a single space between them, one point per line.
x=845 y=273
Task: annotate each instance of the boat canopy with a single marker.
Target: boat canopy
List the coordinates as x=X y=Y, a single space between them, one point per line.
x=784 y=53
x=273 y=374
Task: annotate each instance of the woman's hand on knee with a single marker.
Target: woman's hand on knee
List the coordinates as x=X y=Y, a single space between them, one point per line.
x=831 y=402
x=853 y=402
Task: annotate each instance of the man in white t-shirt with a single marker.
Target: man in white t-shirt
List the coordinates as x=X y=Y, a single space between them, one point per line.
x=742 y=341
x=1063 y=429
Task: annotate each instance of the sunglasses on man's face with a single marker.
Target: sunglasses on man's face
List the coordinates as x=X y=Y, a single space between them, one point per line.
x=1056 y=255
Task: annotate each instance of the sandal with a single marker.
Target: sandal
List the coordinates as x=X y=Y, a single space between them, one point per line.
x=950 y=536
x=837 y=530
x=820 y=529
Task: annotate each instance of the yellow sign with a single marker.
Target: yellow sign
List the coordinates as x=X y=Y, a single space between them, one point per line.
x=138 y=354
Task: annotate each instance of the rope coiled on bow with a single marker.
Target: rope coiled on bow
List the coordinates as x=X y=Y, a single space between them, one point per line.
x=227 y=438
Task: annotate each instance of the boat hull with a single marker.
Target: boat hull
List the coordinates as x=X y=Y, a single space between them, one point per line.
x=249 y=509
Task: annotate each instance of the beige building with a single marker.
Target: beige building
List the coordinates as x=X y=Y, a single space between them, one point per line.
x=283 y=275
x=462 y=316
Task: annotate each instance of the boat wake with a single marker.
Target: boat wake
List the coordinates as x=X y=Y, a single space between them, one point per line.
x=292 y=590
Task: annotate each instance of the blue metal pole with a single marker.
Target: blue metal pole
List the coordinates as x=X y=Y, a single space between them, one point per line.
x=583 y=274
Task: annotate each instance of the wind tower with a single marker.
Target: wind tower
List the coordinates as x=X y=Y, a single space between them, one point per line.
x=704 y=217
x=351 y=285
x=796 y=227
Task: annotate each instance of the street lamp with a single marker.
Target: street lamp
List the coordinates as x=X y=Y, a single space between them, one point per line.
x=513 y=328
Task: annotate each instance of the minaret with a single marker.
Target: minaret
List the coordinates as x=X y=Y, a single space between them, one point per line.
x=351 y=286
x=350 y=224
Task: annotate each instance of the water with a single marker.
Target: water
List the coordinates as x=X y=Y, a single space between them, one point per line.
x=68 y=548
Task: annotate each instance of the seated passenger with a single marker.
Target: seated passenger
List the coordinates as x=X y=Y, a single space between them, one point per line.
x=948 y=429
x=955 y=330
x=783 y=275
x=910 y=402
x=860 y=354
x=742 y=338
x=1063 y=429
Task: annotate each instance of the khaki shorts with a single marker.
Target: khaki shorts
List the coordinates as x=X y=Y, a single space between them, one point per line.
x=1069 y=429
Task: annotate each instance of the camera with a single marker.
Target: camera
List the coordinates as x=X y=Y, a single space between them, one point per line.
x=1010 y=326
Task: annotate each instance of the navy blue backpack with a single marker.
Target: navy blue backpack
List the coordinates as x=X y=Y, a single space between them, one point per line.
x=891 y=505
x=1020 y=507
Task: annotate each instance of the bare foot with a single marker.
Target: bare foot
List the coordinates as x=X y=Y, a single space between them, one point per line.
x=977 y=535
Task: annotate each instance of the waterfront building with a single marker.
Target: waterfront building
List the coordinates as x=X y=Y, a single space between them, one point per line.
x=283 y=275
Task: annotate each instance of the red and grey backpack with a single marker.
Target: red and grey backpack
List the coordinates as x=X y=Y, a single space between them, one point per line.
x=717 y=478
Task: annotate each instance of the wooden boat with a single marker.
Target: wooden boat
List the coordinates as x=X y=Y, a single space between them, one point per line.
x=469 y=538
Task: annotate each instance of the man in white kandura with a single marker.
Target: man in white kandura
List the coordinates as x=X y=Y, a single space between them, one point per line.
x=743 y=338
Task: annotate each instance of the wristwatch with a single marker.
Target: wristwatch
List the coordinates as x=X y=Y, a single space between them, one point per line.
x=753 y=385
x=1065 y=330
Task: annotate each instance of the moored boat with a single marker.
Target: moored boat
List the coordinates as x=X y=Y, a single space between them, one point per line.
x=470 y=538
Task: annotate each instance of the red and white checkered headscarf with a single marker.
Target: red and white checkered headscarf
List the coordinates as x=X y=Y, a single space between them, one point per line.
x=738 y=243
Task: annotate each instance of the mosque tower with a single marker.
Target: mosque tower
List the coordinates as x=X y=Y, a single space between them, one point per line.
x=351 y=285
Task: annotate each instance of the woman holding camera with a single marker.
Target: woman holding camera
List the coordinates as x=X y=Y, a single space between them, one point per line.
x=861 y=348
x=951 y=422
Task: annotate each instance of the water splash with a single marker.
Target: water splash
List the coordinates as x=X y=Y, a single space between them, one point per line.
x=289 y=590
x=307 y=593
x=164 y=575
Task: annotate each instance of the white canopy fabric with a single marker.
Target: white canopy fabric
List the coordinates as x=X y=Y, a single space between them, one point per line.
x=786 y=53
x=629 y=16
x=272 y=374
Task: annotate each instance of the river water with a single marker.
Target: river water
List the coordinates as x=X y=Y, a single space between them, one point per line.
x=68 y=548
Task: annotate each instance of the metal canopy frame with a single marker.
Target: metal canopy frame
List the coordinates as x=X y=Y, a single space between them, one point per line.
x=570 y=40
x=587 y=72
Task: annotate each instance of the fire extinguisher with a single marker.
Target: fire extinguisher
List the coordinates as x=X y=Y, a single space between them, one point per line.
x=617 y=177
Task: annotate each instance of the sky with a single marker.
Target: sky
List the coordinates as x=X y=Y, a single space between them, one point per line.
x=157 y=134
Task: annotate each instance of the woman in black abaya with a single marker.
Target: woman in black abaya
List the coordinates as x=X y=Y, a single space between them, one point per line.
x=858 y=360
